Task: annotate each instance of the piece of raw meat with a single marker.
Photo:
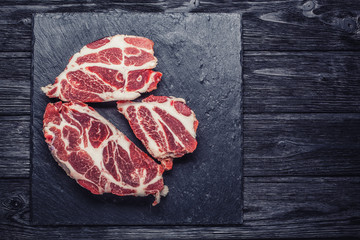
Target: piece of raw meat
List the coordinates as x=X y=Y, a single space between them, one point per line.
x=97 y=155
x=165 y=125
x=109 y=69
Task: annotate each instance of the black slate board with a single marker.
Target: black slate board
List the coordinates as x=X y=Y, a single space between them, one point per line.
x=199 y=55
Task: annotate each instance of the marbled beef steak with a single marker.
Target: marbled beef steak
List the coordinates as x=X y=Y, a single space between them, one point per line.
x=165 y=125
x=97 y=155
x=109 y=69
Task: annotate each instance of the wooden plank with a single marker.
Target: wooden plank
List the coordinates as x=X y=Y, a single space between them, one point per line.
x=301 y=82
x=15 y=207
x=273 y=82
x=15 y=146
x=324 y=25
x=268 y=25
x=301 y=144
x=290 y=207
x=297 y=199
x=274 y=145
x=15 y=83
x=15 y=66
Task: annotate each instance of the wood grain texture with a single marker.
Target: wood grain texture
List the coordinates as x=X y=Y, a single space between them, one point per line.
x=301 y=144
x=273 y=82
x=15 y=83
x=274 y=145
x=268 y=25
x=301 y=82
x=15 y=146
x=275 y=207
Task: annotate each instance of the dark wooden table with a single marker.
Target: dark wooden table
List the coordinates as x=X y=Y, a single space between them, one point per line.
x=301 y=119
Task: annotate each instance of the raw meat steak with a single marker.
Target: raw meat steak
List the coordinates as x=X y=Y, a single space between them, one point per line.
x=97 y=155
x=165 y=125
x=109 y=69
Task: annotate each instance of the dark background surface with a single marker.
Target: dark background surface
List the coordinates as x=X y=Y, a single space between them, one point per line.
x=301 y=120
x=205 y=187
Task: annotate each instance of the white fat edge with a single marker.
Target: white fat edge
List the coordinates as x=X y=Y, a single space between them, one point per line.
x=165 y=191
x=48 y=88
x=119 y=95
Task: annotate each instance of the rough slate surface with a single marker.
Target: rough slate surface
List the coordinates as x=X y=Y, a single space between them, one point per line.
x=199 y=55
